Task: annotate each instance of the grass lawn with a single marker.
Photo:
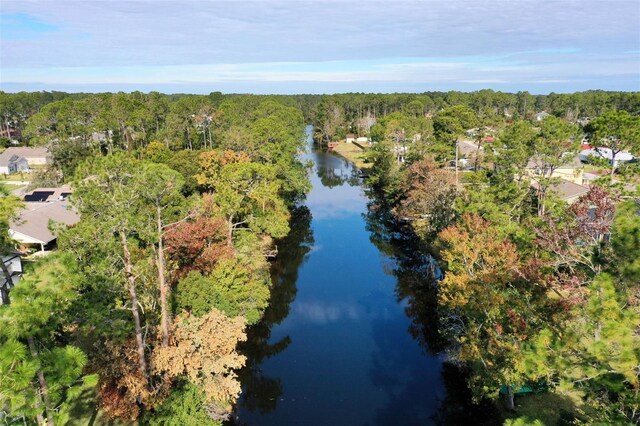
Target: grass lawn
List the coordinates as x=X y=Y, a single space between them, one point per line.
x=549 y=408
x=16 y=177
x=353 y=153
x=590 y=168
x=84 y=411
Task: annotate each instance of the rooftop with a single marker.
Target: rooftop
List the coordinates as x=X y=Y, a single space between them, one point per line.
x=572 y=162
x=22 y=151
x=33 y=221
x=43 y=195
x=566 y=190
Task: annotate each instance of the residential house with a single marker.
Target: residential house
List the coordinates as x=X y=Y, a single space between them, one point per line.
x=541 y=115
x=605 y=153
x=468 y=153
x=44 y=195
x=568 y=192
x=571 y=171
x=13 y=155
x=43 y=207
x=12 y=163
x=351 y=138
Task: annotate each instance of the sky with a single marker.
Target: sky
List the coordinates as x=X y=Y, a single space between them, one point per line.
x=294 y=46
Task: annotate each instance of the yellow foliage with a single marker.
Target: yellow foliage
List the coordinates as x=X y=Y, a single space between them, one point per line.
x=213 y=161
x=204 y=350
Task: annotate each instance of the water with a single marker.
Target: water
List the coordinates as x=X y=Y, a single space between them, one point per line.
x=346 y=340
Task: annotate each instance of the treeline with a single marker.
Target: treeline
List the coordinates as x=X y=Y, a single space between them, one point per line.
x=137 y=118
x=337 y=115
x=537 y=295
x=146 y=298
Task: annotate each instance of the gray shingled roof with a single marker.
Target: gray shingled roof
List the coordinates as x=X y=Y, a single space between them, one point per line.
x=34 y=219
x=22 y=151
x=572 y=162
x=469 y=149
x=565 y=189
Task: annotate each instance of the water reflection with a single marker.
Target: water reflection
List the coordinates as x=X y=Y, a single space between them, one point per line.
x=359 y=344
x=260 y=392
x=336 y=171
x=417 y=276
x=327 y=201
x=322 y=313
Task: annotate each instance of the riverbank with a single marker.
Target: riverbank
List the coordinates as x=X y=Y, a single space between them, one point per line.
x=353 y=153
x=335 y=345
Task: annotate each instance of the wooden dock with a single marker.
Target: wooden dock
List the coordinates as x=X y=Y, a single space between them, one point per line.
x=271 y=254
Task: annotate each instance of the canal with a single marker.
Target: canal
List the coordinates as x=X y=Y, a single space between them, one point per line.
x=348 y=338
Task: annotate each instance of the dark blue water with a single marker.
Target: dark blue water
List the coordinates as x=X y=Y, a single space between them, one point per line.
x=344 y=341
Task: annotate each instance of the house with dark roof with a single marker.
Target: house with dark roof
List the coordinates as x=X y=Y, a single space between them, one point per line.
x=469 y=153
x=32 y=227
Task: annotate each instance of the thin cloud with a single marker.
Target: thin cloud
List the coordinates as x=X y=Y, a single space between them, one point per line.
x=371 y=44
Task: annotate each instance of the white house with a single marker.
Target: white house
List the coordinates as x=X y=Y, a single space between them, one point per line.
x=14 y=156
x=542 y=115
x=607 y=154
x=351 y=138
x=13 y=164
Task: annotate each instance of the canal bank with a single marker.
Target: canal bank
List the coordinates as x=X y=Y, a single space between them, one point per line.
x=346 y=341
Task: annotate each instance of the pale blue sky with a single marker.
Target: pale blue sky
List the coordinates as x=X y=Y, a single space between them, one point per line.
x=320 y=46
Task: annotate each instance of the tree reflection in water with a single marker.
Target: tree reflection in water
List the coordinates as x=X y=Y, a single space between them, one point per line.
x=330 y=176
x=260 y=392
x=417 y=275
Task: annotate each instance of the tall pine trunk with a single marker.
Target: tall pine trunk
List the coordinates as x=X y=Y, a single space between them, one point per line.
x=131 y=286
x=44 y=389
x=164 y=290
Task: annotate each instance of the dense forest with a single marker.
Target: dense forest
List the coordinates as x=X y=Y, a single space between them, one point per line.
x=539 y=296
x=147 y=297
x=180 y=196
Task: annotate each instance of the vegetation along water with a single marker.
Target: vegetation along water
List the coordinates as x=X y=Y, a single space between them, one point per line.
x=202 y=260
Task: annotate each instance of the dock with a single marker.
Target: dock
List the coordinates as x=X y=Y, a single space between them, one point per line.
x=271 y=254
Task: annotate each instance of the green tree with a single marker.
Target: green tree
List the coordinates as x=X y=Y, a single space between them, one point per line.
x=625 y=240
x=185 y=406
x=247 y=193
x=595 y=354
x=231 y=287
x=38 y=369
x=492 y=304
x=162 y=204
x=9 y=206
x=109 y=205
x=556 y=145
x=619 y=131
x=384 y=176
